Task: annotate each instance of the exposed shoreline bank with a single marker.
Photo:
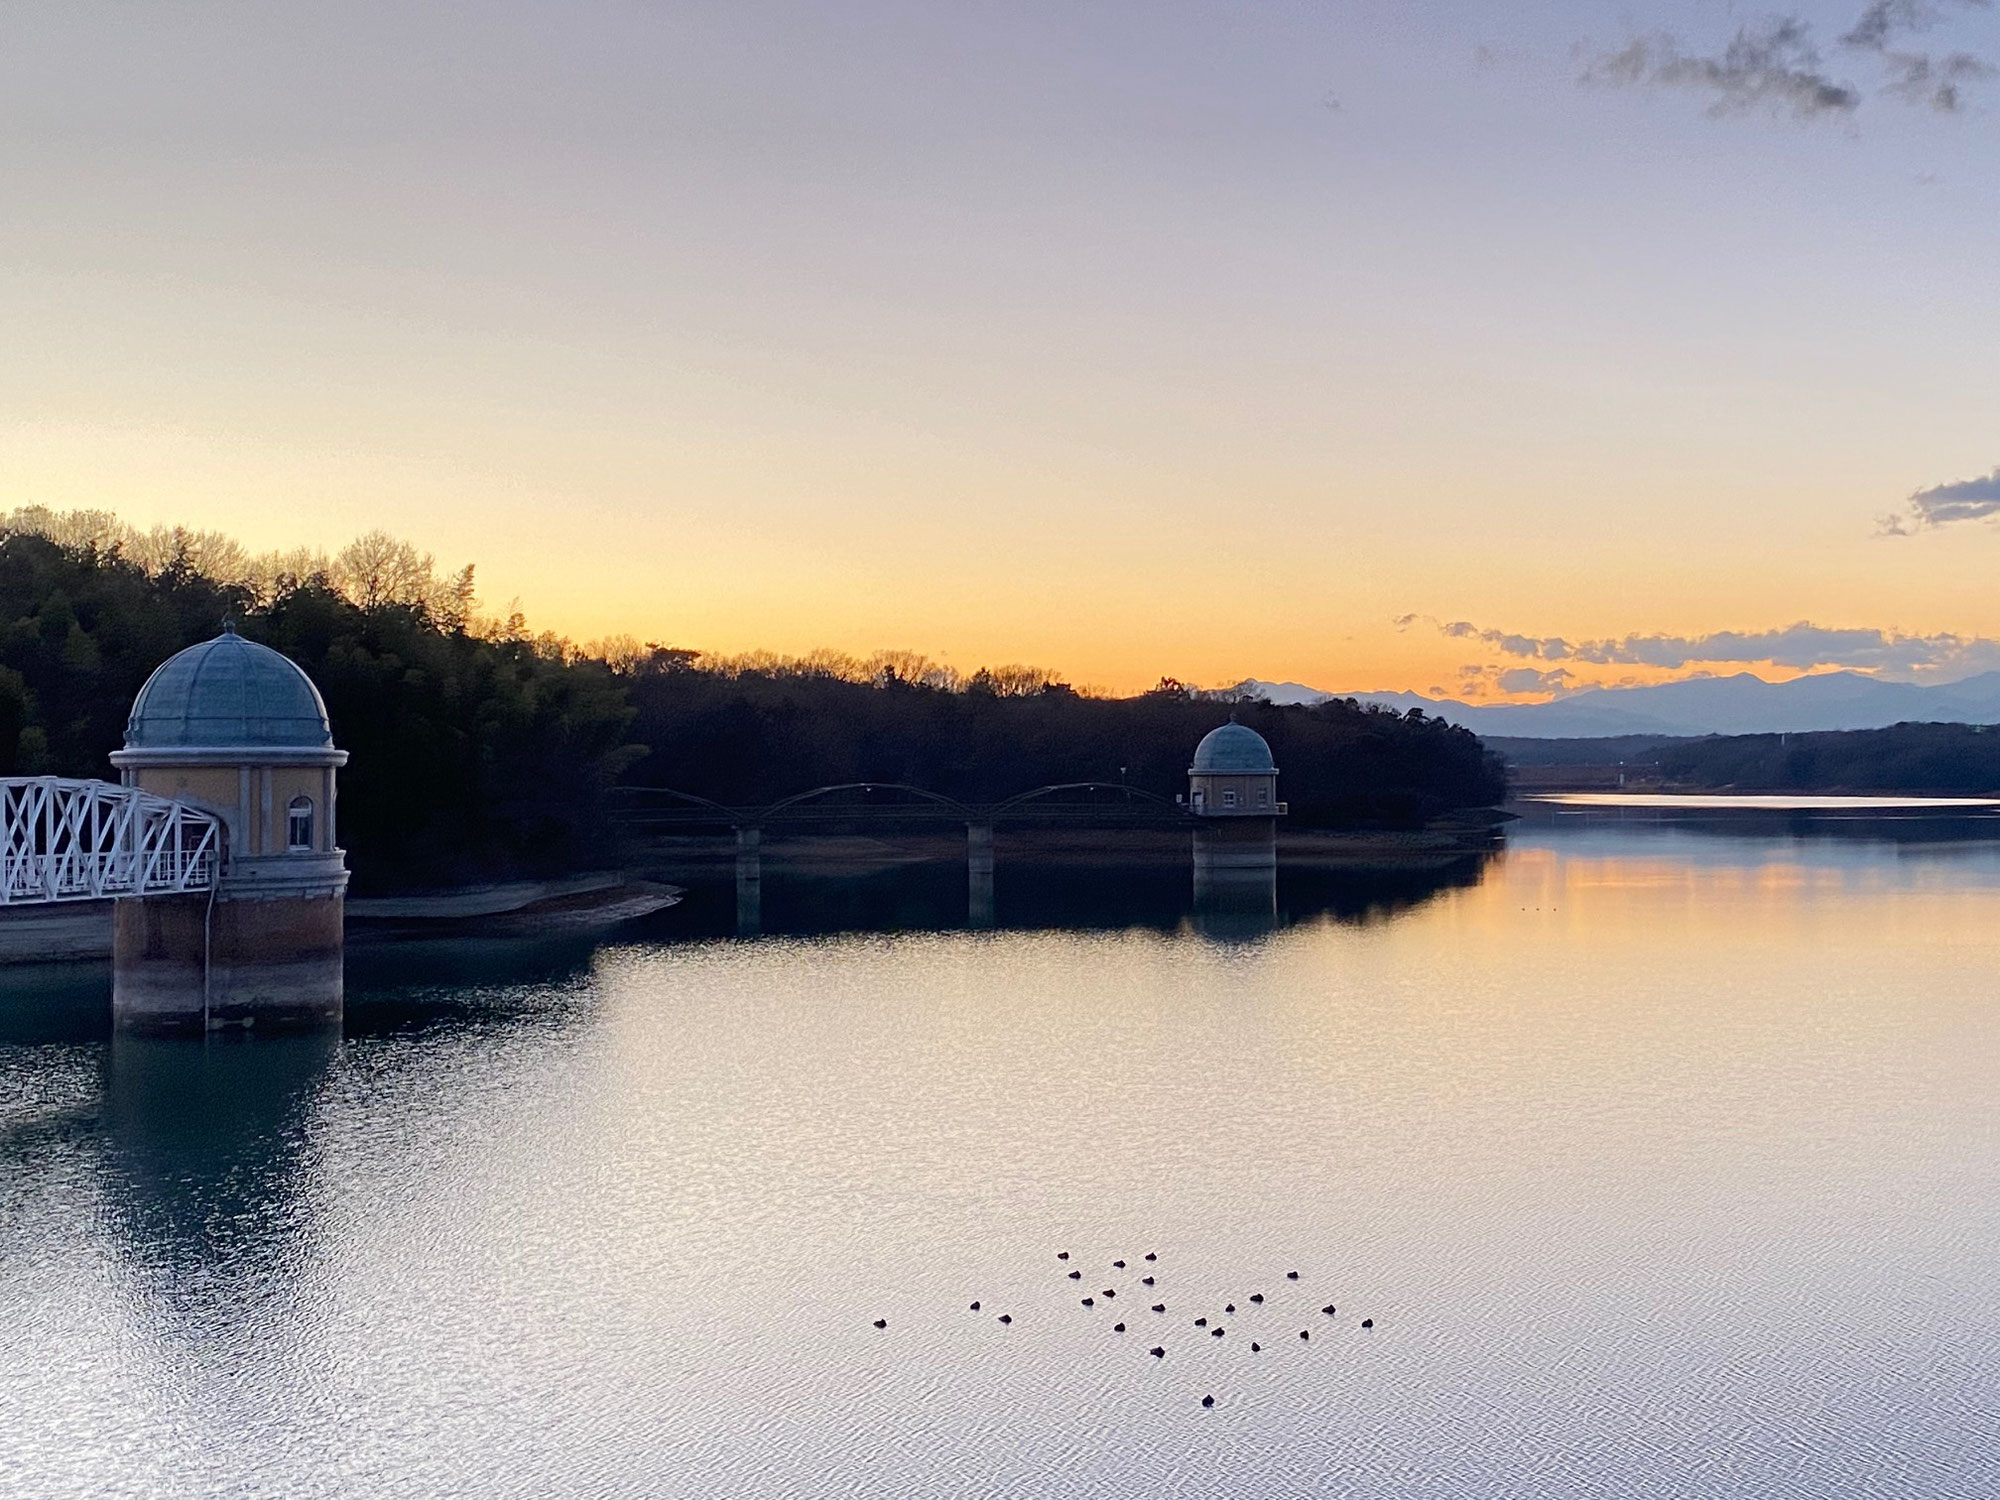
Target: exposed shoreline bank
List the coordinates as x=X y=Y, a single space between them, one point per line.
x=81 y=931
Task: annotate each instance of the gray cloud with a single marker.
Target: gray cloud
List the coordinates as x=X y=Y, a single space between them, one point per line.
x=1774 y=65
x=1534 y=680
x=1939 y=82
x=1769 y=64
x=1885 y=20
x=1942 y=504
x=1802 y=646
x=1551 y=649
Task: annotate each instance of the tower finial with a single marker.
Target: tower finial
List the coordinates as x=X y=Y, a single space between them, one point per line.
x=229 y=624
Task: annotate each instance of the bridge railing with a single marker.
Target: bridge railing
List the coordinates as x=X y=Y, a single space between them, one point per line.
x=71 y=840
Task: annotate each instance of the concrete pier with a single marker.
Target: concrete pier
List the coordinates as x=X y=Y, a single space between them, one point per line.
x=749 y=882
x=979 y=875
x=183 y=964
x=1236 y=864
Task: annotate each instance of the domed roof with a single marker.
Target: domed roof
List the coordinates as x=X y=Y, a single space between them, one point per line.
x=1233 y=747
x=224 y=693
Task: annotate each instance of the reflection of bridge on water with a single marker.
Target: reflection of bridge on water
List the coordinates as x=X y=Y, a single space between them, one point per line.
x=1233 y=854
x=1079 y=804
x=885 y=804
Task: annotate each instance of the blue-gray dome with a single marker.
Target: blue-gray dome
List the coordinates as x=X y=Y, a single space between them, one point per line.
x=1234 y=747
x=224 y=693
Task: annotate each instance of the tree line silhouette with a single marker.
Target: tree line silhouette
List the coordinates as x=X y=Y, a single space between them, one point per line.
x=749 y=738
x=482 y=751
x=1940 y=758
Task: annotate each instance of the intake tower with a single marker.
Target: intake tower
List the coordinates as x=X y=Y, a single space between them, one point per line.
x=238 y=730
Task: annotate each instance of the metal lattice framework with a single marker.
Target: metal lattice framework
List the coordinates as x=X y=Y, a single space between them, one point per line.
x=63 y=840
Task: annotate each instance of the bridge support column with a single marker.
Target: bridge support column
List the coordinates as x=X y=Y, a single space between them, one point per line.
x=749 y=882
x=190 y=964
x=979 y=874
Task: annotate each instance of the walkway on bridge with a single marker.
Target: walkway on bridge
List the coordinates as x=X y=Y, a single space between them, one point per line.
x=66 y=840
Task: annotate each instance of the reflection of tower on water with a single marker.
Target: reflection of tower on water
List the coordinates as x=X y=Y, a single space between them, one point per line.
x=1233 y=792
x=979 y=875
x=749 y=881
x=208 y=1161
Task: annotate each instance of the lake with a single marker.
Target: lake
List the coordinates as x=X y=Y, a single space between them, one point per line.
x=1661 y=1148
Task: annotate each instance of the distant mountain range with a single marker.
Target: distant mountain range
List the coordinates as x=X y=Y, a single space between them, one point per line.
x=1741 y=704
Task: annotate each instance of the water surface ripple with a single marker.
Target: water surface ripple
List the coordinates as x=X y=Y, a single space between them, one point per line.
x=1665 y=1165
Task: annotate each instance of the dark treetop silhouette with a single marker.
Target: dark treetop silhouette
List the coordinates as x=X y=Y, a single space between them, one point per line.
x=480 y=751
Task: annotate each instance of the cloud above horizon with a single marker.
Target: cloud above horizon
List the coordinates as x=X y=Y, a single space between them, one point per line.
x=1943 y=504
x=1803 y=646
x=1769 y=64
x=1885 y=20
x=1534 y=680
x=1774 y=64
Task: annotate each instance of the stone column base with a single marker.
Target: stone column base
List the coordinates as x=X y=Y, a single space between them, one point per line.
x=180 y=965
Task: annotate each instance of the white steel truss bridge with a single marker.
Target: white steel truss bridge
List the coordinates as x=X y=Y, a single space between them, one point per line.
x=64 y=840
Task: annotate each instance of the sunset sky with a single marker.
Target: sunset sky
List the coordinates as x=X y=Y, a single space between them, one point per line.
x=1426 y=344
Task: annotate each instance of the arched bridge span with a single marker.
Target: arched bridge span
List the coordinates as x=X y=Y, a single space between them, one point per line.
x=1099 y=803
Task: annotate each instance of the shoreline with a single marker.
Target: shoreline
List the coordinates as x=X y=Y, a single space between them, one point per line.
x=77 y=932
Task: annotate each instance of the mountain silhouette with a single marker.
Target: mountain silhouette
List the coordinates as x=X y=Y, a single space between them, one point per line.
x=1738 y=704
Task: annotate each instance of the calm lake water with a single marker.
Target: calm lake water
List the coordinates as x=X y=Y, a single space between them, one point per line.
x=1664 y=1155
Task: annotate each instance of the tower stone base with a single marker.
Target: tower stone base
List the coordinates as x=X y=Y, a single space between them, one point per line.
x=180 y=964
x=1236 y=867
x=1228 y=848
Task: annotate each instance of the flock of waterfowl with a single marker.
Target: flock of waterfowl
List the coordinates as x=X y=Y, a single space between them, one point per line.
x=1218 y=1329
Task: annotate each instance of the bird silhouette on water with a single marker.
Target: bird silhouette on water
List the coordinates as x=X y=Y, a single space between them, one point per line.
x=881 y=1322
x=1158 y=1351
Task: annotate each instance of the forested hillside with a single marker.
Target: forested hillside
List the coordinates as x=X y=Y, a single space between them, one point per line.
x=1940 y=758
x=474 y=755
x=481 y=751
x=752 y=737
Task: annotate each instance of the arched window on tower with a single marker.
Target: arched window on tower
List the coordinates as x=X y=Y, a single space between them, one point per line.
x=299 y=824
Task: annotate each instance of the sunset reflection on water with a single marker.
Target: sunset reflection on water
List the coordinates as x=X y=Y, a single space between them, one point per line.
x=1664 y=1158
